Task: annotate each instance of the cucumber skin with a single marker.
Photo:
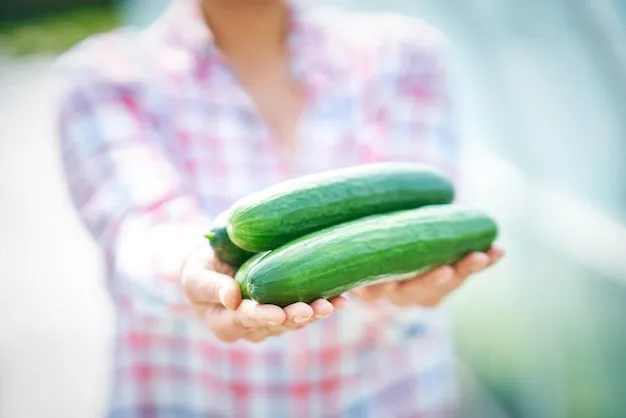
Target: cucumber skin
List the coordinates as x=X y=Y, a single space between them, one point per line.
x=330 y=262
x=279 y=214
x=223 y=247
x=241 y=276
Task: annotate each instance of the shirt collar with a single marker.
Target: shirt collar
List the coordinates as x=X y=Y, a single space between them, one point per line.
x=182 y=24
x=314 y=58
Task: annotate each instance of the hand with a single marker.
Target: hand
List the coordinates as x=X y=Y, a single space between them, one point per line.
x=216 y=298
x=430 y=288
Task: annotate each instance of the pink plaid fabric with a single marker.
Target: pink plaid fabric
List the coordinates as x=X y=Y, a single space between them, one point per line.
x=158 y=136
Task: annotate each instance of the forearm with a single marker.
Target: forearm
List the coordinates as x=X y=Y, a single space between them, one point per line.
x=128 y=191
x=147 y=252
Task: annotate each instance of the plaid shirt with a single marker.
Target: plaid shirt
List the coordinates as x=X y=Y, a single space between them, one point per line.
x=158 y=136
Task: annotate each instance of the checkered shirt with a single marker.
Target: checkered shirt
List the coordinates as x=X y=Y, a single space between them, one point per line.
x=158 y=136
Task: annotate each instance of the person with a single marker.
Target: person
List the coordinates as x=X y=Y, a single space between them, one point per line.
x=162 y=128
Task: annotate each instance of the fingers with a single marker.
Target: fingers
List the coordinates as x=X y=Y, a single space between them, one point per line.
x=471 y=264
x=252 y=315
x=231 y=325
x=256 y=323
x=203 y=286
x=298 y=315
x=427 y=289
x=322 y=309
x=495 y=254
x=432 y=287
x=377 y=291
x=338 y=303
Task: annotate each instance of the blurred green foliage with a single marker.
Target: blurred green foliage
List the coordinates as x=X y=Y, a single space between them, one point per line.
x=56 y=33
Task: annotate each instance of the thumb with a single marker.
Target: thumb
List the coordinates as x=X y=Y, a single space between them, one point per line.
x=204 y=286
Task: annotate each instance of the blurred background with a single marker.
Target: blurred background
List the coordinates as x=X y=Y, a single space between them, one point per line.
x=541 y=97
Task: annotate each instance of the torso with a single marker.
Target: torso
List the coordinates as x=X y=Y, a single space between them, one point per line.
x=279 y=101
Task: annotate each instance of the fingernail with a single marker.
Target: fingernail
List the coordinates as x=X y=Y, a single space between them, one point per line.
x=222 y=295
x=322 y=316
x=273 y=323
x=300 y=319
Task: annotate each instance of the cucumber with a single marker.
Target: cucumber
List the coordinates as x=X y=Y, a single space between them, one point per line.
x=271 y=217
x=376 y=248
x=241 y=276
x=225 y=250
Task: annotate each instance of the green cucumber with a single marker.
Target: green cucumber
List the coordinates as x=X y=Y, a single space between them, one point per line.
x=271 y=217
x=241 y=276
x=224 y=249
x=376 y=248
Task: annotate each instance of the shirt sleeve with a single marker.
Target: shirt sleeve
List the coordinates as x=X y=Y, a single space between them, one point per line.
x=129 y=193
x=410 y=99
x=425 y=99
